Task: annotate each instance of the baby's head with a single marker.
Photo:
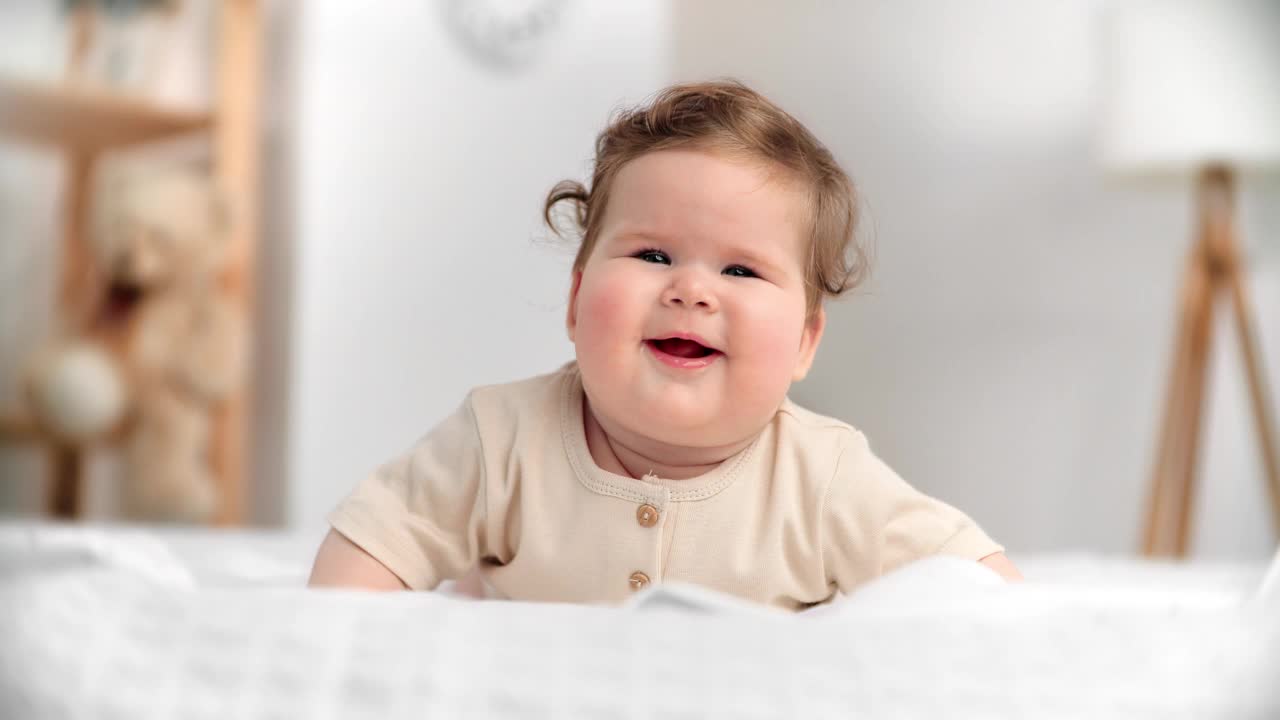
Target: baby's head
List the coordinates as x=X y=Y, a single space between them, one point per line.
x=714 y=228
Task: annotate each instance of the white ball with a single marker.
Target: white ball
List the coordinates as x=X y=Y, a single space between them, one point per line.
x=79 y=393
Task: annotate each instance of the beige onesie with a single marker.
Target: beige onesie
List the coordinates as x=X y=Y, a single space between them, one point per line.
x=507 y=483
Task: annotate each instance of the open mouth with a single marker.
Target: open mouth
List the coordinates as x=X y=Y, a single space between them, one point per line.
x=682 y=352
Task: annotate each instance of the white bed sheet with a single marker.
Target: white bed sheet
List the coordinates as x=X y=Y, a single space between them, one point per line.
x=149 y=623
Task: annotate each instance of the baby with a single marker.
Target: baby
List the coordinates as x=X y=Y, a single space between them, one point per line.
x=714 y=228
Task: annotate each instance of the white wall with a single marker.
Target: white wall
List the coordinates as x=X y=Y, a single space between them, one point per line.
x=1011 y=351
x=417 y=177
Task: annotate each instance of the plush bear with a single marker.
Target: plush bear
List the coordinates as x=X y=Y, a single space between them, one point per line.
x=172 y=335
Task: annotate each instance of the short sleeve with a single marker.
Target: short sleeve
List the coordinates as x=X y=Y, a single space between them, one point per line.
x=874 y=522
x=423 y=514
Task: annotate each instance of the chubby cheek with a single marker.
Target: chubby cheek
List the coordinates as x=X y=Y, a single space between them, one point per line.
x=604 y=315
x=772 y=332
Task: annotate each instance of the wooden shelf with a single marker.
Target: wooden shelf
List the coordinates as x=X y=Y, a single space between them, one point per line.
x=84 y=120
x=80 y=118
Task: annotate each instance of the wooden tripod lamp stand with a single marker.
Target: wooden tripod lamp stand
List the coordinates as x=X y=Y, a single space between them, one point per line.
x=1214 y=269
x=1194 y=90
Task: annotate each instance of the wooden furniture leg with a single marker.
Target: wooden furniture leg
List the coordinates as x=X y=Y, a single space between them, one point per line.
x=1171 y=448
x=1188 y=442
x=83 y=21
x=1259 y=396
x=64 y=497
x=235 y=162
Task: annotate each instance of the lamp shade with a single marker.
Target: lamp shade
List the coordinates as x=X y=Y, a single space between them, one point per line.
x=1190 y=83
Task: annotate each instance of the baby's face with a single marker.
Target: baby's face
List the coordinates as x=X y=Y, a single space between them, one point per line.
x=689 y=316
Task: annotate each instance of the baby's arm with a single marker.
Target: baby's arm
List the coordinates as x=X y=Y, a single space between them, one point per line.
x=418 y=520
x=870 y=512
x=342 y=563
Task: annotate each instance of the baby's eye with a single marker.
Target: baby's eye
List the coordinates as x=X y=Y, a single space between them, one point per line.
x=653 y=256
x=739 y=271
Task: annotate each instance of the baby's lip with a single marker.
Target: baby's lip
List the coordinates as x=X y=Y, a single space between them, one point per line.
x=693 y=337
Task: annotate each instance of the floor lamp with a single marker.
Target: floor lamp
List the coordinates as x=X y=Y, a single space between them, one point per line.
x=1194 y=91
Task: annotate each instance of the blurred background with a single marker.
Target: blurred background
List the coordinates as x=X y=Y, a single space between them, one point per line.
x=1010 y=353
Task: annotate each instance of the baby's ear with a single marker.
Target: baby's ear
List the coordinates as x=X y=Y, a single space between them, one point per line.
x=809 y=341
x=571 y=316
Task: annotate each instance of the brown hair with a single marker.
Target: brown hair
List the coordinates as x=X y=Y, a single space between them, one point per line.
x=728 y=116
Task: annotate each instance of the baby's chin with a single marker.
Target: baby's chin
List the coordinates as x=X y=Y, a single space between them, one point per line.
x=689 y=429
x=690 y=416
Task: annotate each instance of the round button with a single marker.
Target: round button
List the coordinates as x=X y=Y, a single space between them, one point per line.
x=647 y=515
x=639 y=580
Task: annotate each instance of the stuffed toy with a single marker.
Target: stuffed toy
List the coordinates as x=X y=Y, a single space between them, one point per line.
x=162 y=347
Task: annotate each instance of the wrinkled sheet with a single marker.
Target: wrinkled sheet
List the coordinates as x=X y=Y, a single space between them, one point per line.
x=141 y=623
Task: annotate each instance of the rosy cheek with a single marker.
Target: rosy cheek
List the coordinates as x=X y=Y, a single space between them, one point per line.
x=601 y=309
x=778 y=323
x=775 y=340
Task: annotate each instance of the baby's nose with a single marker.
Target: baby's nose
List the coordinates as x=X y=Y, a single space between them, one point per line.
x=690 y=293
